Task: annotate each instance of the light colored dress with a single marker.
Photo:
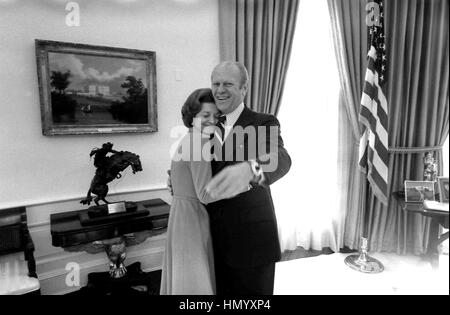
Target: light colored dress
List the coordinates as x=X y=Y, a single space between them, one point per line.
x=188 y=263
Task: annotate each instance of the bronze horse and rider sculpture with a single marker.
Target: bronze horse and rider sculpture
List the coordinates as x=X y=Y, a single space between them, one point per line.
x=108 y=169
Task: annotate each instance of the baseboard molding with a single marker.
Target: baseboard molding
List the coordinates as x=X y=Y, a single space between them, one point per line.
x=103 y=261
x=54 y=282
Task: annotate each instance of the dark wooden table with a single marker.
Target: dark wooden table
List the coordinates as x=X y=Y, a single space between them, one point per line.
x=72 y=232
x=67 y=229
x=438 y=218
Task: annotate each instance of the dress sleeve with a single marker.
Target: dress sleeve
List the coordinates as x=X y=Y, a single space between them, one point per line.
x=201 y=175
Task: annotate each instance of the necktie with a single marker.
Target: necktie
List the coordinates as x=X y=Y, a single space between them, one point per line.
x=220 y=124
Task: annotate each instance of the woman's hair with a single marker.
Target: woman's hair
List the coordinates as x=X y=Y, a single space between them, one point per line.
x=193 y=105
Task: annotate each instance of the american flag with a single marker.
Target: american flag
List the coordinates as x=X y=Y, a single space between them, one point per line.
x=373 y=152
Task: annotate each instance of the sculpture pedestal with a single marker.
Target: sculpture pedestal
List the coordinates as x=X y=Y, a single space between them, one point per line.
x=75 y=231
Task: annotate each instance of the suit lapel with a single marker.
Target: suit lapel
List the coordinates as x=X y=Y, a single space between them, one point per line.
x=246 y=118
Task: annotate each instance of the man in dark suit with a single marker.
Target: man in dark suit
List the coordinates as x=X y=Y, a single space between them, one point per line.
x=244 y=227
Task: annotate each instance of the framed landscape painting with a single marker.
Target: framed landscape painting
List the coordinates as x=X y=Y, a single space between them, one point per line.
x=87 y=89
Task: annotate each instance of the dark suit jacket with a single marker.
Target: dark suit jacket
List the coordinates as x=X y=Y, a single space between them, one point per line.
x=244 y=228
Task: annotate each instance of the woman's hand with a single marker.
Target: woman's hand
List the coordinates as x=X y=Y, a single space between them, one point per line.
x=169 y=183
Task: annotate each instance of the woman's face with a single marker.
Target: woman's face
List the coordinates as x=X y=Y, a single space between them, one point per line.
x=205 y=121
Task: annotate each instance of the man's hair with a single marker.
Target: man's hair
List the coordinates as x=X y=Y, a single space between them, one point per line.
x=243 y=73
x=193 y=105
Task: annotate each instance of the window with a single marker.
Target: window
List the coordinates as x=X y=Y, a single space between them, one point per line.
x=306 y=198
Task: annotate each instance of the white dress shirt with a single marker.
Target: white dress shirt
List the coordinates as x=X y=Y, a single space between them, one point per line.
x=232 y=119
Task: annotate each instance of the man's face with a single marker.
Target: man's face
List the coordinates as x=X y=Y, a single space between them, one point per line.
x=226 y=87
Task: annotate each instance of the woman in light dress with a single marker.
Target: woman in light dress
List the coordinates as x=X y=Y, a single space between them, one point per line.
x=188 y=265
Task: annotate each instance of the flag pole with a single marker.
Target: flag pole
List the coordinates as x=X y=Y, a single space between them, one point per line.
x=373 y=114
x=363 y=262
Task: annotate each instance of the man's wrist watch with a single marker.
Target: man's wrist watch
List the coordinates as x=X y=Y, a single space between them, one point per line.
x=256 y=170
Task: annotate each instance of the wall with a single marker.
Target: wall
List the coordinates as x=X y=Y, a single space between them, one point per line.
x=51 y=174
x=36 y=168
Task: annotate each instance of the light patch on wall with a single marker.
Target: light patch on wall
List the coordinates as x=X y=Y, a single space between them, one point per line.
x=127 y=1
x=186 y=1
x=7 y=1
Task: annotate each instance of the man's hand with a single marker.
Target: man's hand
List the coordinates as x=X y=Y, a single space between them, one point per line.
x=232 y=180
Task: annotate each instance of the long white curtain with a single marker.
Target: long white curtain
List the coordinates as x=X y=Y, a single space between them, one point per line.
x=307 y=198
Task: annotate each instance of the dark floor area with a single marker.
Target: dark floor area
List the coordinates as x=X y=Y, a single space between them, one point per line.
x=135 y=282
x=300 y=252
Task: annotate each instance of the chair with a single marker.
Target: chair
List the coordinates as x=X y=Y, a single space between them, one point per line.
x=17 y=265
